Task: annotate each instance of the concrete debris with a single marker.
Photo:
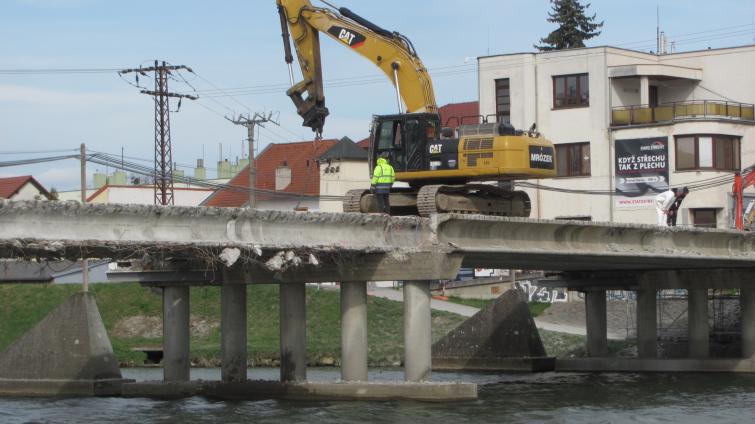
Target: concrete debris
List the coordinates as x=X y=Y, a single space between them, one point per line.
x=284 y=260
x=257 y=250
x=313 y=260
x=276 y=262
x=229 y=256
x=292 y=258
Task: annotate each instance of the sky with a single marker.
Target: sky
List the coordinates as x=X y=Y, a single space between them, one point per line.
x=234 y=48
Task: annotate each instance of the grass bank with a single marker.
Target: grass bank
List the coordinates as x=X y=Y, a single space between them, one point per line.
x=131 y=314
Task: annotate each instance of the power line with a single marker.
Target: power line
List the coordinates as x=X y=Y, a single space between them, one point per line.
x=24 y=152
x=58 y=71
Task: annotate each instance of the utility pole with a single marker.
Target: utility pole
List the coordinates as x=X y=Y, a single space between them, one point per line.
x=84 y=261
x=250 y=123
x=163 y=153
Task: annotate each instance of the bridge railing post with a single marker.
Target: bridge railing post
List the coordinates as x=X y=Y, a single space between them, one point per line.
x=647 y=330
x=176 y=366
x=596 y=323
x=293 y=332
x=747 y=306
x=417 y=331
x=354 y=331
x=697 y=323
x=233 y=328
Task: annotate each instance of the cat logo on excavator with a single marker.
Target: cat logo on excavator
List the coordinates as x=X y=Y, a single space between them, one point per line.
x=351 y=38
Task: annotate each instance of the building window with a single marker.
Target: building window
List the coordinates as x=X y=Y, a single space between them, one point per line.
x=720 y=152
x=704 y=218
x=282 y=177
x=573 y=159
x=502 y=100
x=571 y=91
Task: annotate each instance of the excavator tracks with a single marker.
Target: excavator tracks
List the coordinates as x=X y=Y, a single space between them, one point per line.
x=480 y=199
x=483 y=199
x=352 y=201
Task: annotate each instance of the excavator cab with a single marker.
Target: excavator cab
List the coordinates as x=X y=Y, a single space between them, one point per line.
x=404 y=137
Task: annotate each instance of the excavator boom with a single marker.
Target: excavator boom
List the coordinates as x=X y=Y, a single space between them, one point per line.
x=390 y=51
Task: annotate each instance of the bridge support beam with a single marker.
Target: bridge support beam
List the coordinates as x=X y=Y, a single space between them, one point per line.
x=176 y=333
x=646 y=323
x=417 y=331
x=597 y=329
x=233 y=328
x=293 y=331
x=747 y=306
x=354 y=331
x=697 y=322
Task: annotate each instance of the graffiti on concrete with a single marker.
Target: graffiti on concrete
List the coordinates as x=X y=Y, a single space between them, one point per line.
x=621 y=295
x=542 y=294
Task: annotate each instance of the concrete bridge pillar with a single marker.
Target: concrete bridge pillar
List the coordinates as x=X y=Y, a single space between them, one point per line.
x=233 y=328
x=354 y=331
x=747 y=306
x=417 y=331
x=697 y=323
x=176 y=333
x=293 y=331
x=597 y=329
x=646 y=323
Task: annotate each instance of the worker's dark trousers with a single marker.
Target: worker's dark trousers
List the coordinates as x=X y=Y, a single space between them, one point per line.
x=383 y=204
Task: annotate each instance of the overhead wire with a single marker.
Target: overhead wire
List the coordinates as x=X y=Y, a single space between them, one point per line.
x=147 y=171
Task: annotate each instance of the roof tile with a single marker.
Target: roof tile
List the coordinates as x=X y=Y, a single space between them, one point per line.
x=301 y=157
x=11 y=185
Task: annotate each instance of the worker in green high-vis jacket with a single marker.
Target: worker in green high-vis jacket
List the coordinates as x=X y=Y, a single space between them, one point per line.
x=382 y=181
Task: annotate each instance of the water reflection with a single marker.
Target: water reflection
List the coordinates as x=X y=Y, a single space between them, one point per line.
x=545 y=397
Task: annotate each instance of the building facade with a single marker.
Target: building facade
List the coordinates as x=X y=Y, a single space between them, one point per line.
x=23 y=188
x=287 y=178
x=343 y=167
x=145 y=195
x=627 y=125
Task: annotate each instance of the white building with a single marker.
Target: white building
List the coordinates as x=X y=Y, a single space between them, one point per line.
x=343 y=167
x=628 y=124
x=145 y=195
x=23 y=188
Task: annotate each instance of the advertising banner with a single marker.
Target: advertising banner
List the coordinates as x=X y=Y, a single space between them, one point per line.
x=641 y=171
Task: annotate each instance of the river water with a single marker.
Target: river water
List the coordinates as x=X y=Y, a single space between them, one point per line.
x=515 y=398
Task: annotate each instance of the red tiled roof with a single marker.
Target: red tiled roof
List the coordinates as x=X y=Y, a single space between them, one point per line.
x=364 y=143
x=11 y=185
x=300 y=157
x=466 y=110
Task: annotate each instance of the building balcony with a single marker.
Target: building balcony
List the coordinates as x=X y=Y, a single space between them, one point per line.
x=681 y=111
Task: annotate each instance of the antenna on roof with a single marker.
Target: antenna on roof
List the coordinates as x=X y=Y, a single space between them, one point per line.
x=658 y=27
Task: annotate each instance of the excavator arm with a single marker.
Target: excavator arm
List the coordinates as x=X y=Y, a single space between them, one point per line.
x=389 y=51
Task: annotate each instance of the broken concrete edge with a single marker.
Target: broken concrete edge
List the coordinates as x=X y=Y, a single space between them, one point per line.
x=74 y=208
x=142 y=223
x=655 y=365
x=59 y=249
x=535 y=364
x=61 y=388
x=341 y=390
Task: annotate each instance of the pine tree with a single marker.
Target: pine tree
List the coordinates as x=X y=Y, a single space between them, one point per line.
x=574 y=27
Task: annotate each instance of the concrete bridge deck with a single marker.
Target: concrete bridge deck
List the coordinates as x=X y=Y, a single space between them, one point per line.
x=183 y=246
x=324 y=246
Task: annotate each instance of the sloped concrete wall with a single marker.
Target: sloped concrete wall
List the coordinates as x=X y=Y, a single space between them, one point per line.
x=503 y=329
x=70 y=343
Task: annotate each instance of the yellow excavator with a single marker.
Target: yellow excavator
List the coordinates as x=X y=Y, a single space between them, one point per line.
x=444 y=170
